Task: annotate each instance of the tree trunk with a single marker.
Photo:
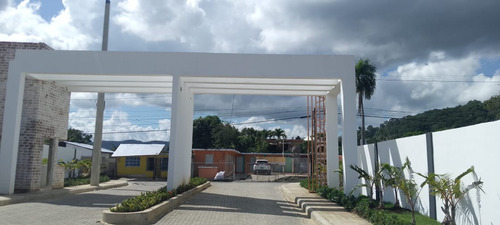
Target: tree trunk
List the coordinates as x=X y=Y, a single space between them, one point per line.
x=362 y=114
x=396 y=204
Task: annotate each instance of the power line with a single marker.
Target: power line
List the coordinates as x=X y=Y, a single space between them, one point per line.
x=442 y=81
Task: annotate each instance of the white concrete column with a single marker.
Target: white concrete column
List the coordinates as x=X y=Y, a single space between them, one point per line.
x=10 y=129
x=95 y=171
x=332 y=155
x=54 y=142
x=349 y=146
x=181 y=135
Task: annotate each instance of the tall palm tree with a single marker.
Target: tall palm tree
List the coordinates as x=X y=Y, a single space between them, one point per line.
x=365 y=87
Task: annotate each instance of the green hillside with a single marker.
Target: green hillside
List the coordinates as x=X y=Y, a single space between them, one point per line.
x=473 y=112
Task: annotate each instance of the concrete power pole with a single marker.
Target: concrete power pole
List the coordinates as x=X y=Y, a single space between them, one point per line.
x=96 y=152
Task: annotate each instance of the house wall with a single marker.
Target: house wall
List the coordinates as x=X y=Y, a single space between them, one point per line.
x=67 y=153
x=223 y=160
x=45 y=115
x=453 y=151
x=140 y=171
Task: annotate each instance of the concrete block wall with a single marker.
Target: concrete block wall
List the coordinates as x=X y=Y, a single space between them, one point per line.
x=45 y=115
x=447 y=152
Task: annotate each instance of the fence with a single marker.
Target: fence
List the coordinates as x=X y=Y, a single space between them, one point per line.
x=232 y=172
x=447 y=152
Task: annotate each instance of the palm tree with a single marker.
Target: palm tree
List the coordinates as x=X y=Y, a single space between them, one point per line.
x=365 y=87
x=279 y=133
x=451 y=191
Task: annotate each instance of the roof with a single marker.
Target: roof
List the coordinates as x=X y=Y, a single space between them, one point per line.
x=138 y=150
x=88 y=147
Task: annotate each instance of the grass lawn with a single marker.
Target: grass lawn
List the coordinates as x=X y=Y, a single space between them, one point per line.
x=405 y=215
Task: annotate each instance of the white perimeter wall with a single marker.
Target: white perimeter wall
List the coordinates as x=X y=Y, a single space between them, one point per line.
x=479 y=146
x=454 y=152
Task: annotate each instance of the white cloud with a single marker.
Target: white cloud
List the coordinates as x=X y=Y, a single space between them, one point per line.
x=297 y=130
x=436 y=83
x=73 y=28
x=118 y=126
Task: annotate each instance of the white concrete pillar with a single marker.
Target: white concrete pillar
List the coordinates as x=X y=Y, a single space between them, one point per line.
x=95 y=171
x=332 y=155
x=349 y=144
x=10 y=129
x=181 y=135
x=54 y=142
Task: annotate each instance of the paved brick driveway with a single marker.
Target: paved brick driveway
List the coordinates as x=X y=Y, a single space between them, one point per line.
x=238 y=203
x=223 y=203
x=85 y=208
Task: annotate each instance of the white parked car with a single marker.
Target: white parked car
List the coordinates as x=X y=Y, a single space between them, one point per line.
x=262 y=166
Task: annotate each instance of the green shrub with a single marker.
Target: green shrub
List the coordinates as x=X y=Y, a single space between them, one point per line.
x=68 y=182
x=148 y=199
x=366 y=208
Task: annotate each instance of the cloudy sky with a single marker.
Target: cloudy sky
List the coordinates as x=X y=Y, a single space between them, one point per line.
x=428 y=54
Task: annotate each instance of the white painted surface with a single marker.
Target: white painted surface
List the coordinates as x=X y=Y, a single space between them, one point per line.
x=349 y=130
x=160 y=72
x=74 y=151
x=138 y=150
x=395 y=152
x=479 y=146
x=454 y=152
x=68 y=153
x=10 y=130
x=332 y=147
x=366 y=154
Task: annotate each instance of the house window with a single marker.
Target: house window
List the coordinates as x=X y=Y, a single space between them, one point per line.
x=150 y=165
x=164 y=164
x=209 y=159
x=132 y=161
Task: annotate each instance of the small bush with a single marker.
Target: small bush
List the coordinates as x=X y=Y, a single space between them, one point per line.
x=68 y=182
x=148 y=199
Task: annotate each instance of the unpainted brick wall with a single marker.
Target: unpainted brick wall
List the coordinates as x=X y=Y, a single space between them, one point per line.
x=45 y=115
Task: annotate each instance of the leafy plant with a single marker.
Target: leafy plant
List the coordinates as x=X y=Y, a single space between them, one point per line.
x=450 y=191
x=408 y=186
x=366 y=208
x=372 y=181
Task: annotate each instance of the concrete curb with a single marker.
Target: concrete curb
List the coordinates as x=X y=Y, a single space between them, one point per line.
x=152 y=214
x=45 y=194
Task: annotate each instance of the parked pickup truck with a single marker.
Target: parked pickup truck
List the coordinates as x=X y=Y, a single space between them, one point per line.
x=261 y=166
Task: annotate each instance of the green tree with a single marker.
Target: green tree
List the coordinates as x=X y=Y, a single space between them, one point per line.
x=204 y=129
x=75 y=135
x=365 y=87
x=493 y=107
x=450 y=191
x=226 y=136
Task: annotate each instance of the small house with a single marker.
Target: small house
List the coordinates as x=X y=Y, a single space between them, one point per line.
x=141 y=160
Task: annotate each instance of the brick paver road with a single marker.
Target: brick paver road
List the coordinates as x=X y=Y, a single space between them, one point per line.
x=223 y=203
x=85 y=208
x=238 y=203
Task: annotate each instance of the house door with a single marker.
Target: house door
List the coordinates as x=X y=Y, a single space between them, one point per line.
x=157 y=171
x=240 y=163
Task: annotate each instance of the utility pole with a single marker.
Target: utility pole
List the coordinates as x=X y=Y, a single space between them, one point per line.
x=96 y=151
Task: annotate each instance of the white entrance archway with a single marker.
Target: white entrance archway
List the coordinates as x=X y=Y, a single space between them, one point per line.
x=184 y=75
